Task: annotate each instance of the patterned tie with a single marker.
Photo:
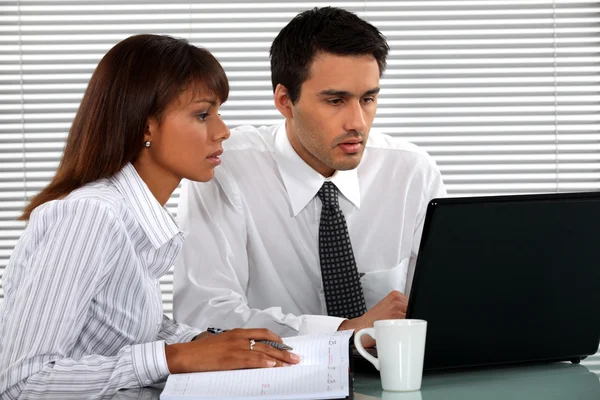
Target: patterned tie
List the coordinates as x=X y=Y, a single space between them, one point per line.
x=343 y=294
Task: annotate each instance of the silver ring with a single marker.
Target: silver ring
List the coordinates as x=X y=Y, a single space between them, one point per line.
x=252 y=343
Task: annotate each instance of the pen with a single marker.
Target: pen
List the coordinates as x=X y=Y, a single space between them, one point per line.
x=278 y=346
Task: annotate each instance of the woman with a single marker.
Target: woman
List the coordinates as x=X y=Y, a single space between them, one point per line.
x=82 y=316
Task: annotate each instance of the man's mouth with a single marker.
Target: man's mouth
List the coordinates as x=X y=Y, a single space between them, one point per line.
x=351 y=146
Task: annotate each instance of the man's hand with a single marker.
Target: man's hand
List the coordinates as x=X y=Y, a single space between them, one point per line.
x=226 y=351
x=392 y=306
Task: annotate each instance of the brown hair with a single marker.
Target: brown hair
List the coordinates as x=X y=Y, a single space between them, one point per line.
x=134 y=81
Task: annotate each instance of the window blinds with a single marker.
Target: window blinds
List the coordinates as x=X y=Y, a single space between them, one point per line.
x=503 y=94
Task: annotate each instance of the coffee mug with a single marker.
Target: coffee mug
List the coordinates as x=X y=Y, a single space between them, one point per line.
x=400 y=351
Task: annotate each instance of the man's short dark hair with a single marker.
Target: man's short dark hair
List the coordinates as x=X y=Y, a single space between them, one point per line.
x=329 y=30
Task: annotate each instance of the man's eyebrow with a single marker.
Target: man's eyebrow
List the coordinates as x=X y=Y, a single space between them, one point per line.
x=333 y=92
x=372 y=91
x=345 y=93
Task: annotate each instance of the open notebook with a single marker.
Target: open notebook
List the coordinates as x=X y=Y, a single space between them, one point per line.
x=321 y=374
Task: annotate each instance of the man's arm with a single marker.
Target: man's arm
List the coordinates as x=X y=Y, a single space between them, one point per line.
x=211 y=273
x=395 y=304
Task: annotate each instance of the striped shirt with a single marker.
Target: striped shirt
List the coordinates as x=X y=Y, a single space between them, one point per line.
x=82 y=316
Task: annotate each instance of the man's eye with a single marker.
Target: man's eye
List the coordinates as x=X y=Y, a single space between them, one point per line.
x=334 y=101
x=369 y=99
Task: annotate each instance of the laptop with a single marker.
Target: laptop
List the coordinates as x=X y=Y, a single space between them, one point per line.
x=509 y=279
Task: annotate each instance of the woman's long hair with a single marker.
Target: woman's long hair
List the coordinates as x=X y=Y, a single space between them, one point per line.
x=134 y=81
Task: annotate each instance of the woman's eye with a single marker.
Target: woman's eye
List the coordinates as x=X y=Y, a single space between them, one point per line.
x=202 y=116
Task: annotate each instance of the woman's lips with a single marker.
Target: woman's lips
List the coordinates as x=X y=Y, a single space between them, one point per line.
x=214 y=157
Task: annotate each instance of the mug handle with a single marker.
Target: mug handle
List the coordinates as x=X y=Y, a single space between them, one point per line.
x=361 y=349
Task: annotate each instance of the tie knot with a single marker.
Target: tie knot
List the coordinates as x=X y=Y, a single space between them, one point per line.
x=328 y=195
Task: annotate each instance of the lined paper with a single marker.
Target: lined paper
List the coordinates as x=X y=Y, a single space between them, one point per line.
x=321 y=374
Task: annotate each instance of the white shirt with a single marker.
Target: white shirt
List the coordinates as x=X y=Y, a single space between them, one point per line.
x=252 y=254
x=82 y=315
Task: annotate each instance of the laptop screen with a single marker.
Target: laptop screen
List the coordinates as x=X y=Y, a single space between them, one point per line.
x=509 y=279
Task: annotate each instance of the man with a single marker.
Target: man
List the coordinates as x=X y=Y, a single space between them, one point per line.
x=310 y=223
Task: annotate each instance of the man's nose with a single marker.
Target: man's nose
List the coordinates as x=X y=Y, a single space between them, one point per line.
x=355 y=120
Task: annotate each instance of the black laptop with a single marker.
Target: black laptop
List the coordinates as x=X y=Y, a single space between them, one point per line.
x=509 y=279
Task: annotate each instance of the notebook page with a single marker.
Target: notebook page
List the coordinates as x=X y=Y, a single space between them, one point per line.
x=310 y=379
x=311 y=348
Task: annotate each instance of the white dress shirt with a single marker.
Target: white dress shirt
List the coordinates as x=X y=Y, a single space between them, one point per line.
x=252 y=255
x=82 y=315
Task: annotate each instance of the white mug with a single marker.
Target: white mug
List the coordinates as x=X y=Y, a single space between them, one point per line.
x=400 y=351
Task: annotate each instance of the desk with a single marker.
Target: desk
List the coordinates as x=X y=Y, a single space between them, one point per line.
x=558 y=381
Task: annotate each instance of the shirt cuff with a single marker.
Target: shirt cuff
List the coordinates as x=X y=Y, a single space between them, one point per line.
x=150 y=362
x=189 y=335
x=313 y=324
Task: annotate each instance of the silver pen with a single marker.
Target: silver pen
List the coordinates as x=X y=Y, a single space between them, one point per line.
x=278 y=346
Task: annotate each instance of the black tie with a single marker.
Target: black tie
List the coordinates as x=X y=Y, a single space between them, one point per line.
x=343 y=294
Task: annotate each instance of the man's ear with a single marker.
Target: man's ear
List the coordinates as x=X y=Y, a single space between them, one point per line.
x=283 y=101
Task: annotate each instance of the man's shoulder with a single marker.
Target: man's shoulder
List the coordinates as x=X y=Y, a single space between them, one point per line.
x=249 y=149
x=248 y=138
x=393 y=147
x=411 y=166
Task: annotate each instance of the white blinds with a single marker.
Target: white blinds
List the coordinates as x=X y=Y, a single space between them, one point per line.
x=503 y=94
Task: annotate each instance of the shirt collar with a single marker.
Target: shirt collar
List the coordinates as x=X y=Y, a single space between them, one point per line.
x=158 y=223
x=302 y=182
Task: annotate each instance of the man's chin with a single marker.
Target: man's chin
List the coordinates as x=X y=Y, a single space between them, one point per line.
x=351 y=162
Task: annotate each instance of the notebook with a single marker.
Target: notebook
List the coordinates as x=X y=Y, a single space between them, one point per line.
x=507 y=279
x=323 y=373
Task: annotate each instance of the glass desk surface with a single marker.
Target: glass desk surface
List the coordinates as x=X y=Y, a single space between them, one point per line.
x=555 y=381
x=564 y=381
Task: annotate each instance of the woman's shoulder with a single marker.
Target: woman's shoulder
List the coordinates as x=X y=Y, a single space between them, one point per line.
x=87 y=204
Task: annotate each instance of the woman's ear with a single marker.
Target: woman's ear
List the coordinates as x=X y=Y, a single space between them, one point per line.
x=283 y=101
x=151 y=129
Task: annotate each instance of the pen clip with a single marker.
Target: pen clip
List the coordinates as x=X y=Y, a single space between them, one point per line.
x=215 y=331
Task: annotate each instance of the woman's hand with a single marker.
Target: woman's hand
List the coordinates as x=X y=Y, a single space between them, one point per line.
x=203 y=335
x=229 y=350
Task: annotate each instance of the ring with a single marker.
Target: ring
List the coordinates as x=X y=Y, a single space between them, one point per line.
x=252 y=343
